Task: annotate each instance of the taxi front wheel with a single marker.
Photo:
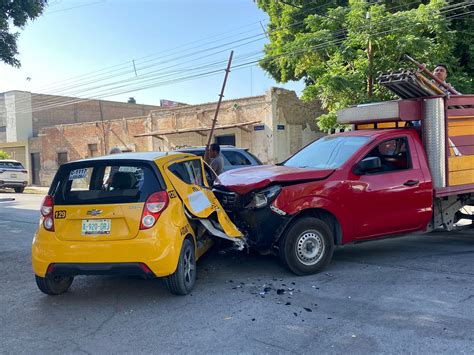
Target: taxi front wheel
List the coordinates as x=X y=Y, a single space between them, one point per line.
x=184 y=278
x=54 y=285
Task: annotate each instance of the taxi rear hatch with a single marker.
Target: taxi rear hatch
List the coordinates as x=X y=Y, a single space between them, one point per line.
x=102 y=200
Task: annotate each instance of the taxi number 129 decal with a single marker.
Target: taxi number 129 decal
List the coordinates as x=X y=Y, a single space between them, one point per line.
x=60 y=214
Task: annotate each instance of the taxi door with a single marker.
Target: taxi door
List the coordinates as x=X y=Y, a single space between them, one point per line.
x=188 y=177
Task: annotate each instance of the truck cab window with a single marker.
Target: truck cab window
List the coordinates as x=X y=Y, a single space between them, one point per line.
x=393 y=154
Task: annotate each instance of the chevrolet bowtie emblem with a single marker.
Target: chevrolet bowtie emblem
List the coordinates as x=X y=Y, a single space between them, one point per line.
x=94 y=212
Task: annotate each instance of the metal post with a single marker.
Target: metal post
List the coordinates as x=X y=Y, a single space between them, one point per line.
x=221 y=95
x=430 y=74
x=370 y=57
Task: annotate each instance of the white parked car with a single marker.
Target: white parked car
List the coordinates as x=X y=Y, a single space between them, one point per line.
x=13 y=175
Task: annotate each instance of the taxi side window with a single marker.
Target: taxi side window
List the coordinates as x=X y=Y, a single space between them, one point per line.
x=394 y=155
x=189 y=171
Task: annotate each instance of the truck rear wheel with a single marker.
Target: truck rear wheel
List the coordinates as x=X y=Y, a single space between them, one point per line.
x=307 y=246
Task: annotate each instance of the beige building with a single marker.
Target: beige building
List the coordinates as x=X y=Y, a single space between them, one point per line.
x=23 y=114
x=272 y=126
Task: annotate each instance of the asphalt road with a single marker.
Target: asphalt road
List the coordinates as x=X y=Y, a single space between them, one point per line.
x=411 y=294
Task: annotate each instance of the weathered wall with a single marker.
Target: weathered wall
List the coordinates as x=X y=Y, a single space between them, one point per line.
x=288 y=124
x=3 y=119
x=299 y=121
x=270 y=144
x=75 y=139
x=80 y=111
x=17 y=115
x=195 y=116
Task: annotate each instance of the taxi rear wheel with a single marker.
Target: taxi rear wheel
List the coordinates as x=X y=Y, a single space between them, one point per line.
x=184 y=278
x=54 y=285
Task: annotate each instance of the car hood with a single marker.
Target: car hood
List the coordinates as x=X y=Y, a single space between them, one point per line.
x=245 y=180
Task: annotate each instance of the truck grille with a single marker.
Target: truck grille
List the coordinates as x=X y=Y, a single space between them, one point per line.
x=228 y=200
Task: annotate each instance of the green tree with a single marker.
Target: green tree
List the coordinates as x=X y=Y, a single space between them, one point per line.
x=4 y=155
x=15 y=13
x=338 y=48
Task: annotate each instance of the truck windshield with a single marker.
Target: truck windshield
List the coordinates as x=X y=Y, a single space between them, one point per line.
x=329 y=152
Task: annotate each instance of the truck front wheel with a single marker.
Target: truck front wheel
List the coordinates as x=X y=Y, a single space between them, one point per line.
x=307 y=246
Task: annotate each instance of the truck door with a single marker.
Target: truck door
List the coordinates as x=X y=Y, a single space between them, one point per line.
x=396 y=197
x=190 y=180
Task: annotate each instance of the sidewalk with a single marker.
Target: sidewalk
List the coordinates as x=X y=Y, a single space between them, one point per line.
x=40 y=190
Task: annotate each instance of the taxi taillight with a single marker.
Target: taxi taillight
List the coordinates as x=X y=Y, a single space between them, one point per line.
x=47 y=210
x=154 y=205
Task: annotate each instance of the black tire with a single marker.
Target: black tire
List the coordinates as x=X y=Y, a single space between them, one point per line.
x=184 y=278
x=306 y=246
x=54 y=285
x=19 y=190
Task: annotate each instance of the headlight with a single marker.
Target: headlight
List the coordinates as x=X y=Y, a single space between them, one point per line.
x=265 y=197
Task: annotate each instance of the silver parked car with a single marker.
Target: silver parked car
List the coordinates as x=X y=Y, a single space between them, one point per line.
x=13 y=175
x=233 y=157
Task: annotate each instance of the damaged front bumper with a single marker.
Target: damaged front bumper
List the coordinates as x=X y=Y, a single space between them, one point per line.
x=263 y=226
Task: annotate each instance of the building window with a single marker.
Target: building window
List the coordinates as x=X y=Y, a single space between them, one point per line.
x=228 y=139
x=93 y=151
x=62 y=158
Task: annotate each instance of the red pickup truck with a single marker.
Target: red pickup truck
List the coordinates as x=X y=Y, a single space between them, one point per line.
x=359 y=185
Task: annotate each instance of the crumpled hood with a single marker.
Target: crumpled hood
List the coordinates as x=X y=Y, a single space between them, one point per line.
x=244 y=180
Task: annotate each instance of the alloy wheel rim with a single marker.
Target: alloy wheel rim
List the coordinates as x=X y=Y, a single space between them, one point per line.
x=188 y=266
x=309 y=247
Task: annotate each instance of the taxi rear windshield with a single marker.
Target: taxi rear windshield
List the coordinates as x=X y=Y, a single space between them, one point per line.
x=104 y=184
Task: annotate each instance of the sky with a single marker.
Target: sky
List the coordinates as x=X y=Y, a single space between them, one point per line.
x=103 y=49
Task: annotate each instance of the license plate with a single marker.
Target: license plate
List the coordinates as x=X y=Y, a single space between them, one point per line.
x=96 y=226
x=13 y=176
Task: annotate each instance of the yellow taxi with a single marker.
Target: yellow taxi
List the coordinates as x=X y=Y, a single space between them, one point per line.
x=151 y=214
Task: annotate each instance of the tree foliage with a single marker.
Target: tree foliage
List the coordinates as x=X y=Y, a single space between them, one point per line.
x=327 y=45
x=15 y=13
x=4 y=155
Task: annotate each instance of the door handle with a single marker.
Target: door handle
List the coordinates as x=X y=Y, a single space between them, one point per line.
x=411 y=182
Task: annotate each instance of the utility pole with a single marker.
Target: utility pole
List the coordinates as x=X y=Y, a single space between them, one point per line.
x=105 y=147
x=221 y=95
x=134 y=67
x=370 y=57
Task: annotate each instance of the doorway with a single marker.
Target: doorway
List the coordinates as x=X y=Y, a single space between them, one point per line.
x=35 y=168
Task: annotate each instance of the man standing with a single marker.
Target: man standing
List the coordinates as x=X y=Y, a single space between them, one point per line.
x=214 y=158
x=441 y=72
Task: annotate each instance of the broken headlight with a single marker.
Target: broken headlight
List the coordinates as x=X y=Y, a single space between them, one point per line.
x=265 y=197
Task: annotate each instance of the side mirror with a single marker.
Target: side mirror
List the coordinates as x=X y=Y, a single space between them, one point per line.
x=367 y=165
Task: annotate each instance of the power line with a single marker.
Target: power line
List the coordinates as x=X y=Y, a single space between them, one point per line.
x=268 y=58
x=73 y=7
x=149 y=57
x=127 y=64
